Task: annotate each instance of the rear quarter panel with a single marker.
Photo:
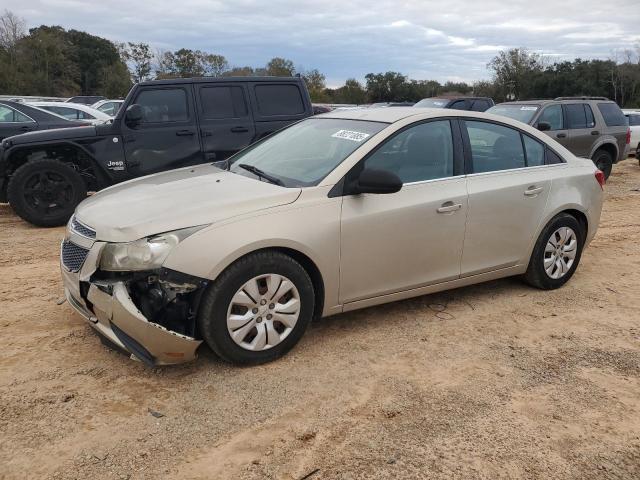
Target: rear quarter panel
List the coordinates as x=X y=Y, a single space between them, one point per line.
x=575 y=188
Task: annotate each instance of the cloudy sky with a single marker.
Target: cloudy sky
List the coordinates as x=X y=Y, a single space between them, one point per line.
x=434 y=39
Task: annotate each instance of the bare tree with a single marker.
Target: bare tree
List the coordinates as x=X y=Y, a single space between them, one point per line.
x=12 y=29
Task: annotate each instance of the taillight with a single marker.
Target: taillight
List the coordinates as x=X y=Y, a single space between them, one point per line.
x=628 y=136
x=600 y=179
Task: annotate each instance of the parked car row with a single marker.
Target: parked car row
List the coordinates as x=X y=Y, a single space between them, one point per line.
x=161 y=125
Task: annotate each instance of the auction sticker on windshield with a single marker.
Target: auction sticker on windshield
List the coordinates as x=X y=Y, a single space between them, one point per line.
x=528 y=108
x=351 y=135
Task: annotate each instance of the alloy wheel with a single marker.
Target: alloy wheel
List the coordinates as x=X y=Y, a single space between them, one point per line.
x=560 y=252
x=263 y=312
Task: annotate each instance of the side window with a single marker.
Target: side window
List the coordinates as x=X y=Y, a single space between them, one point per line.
x=534 y=150
x=459 y=105
x=612 y=114
x=634 y=120
x=422 y=152
x=553 y=116
x=279 y=100
x=163 y=105
x=576 y=117
x=591 y=121
x=223 y=102
x=480 y=105
x=9 y=115
x=551 y=158
x=494 y=147
x=85 y=115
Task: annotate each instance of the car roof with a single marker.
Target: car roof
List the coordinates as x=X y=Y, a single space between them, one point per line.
x=395 y=114
x=173 y=81
x=556 y=100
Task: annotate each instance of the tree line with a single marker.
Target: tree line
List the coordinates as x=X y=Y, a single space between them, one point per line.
x=52 y=61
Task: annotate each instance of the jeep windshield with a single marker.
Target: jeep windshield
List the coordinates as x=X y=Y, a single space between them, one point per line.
x=523 y=113
x=304 y=153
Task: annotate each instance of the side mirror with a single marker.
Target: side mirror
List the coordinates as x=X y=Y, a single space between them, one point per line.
x=133 y=115
x=376 y=181
x=544 y=126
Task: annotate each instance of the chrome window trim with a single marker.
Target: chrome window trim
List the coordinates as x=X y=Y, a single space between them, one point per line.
x=509 y=170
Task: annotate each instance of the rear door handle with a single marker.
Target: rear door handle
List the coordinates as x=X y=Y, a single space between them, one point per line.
x=185 y=133
x=449 y=207
x=561 y=135
x=595 y=132
x=532 y=191
x=239 y=129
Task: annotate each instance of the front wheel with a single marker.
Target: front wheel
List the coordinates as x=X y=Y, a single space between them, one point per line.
x=604 y=161
x=258 y=308
x=556 y=254
x=45 y=192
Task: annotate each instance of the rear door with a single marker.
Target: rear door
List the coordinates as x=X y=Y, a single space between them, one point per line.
x=554 y=116
x=226 y=122
x=12 y=122
x=167 y=137
x=581 y=124
x=508 y=186
x=277 y=104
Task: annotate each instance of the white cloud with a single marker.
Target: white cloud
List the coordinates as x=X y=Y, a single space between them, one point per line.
x=439 y=39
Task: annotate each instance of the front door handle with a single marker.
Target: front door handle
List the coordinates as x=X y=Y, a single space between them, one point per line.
x=185 y=133
x=532 y=191
x=449 y=207
x=239 y=129
x=561 y=135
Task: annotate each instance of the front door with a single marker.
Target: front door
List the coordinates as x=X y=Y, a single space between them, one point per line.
x=226 y=124
x=553 y=116
x=167 y=137
x=508 y=188
x=412 y=238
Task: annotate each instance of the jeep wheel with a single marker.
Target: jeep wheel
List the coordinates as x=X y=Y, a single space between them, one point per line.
x=45 y=192
x=604 y=162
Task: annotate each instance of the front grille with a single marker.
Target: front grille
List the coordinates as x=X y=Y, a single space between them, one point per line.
x=73 y=256
x=81 y=229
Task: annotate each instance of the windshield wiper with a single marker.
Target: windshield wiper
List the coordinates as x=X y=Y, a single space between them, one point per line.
x=256 y=171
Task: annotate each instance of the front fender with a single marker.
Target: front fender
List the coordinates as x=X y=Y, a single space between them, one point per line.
x=312 y=230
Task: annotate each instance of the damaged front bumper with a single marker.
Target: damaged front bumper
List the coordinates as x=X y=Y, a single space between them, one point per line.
x=108 y=306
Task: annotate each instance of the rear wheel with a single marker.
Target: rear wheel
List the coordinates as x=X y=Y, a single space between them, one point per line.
x=556 y=254
x=45 y=192
x=257 y=309
x=604 y=162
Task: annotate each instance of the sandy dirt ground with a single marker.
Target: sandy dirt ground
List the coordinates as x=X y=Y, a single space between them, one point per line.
x=492 y=381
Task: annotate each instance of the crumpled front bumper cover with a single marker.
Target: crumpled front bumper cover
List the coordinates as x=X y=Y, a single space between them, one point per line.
x=109 y=309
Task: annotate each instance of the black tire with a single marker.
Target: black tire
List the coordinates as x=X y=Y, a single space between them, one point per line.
x=604 y=161
x=45 y=192
x=536 y=275
x=212 y=312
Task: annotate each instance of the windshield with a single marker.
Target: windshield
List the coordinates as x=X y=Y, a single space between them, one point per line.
x=432 y=103
x=523 y=113
x=306 y=152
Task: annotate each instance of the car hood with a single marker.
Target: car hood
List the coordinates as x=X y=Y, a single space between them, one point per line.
x=177 y=199
x=53 y=134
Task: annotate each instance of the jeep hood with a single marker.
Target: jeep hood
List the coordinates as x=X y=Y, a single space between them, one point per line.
x=177 y=199
x=53 y=134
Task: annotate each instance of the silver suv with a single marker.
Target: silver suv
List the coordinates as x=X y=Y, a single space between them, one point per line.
x=590 y=127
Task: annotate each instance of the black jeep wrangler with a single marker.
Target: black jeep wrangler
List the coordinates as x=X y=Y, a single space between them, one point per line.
x=162 y=124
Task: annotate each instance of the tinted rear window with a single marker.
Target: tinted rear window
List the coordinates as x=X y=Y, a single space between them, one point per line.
x=223 y=102
x=612 y=114
x=634 y=120
x=576 y=117
x=279 y=100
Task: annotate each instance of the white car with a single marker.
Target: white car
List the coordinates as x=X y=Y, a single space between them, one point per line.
x=634 y=126
x=110 y=107
x=75 y=111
